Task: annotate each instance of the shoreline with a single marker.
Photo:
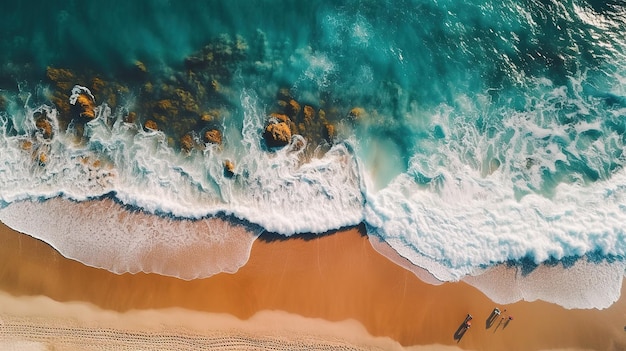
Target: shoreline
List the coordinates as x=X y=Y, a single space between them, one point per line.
x=331 y=279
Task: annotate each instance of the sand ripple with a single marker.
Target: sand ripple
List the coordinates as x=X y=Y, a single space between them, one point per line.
x=81 y=338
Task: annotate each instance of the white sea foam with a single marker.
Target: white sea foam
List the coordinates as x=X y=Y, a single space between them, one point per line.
x=584 y=284
x=272 y=189
x=465 y=219
x=474 y=222
x=78 y=90
x=476 y=225
x=105 y=235
x=455 y=211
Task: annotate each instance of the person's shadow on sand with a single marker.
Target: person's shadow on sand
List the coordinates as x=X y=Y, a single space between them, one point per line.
x=460 y=331
x=492 y=318
x=508 y=320
x=499 y=324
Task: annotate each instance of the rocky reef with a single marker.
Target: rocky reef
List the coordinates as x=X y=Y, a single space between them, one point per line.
x=292 y=117
x=63 y=81
x=190 y=103
x=179 y=101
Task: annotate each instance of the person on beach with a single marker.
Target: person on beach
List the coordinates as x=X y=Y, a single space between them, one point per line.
x=466 y=322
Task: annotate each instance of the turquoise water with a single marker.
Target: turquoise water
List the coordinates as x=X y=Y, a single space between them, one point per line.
x=489 y=133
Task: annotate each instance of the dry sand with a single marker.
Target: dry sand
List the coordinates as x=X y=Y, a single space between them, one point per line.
x=334 y=289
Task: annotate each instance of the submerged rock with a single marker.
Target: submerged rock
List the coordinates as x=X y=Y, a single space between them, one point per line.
x=229 y=168
x=83 y=101
x=64 y=79
x=280 y=117
x=186 y=142
x=293 y=108
x=186 y=101
x=71 y=93
x=130 y=117
x=356 y=113
x=150 y=124
x=26 y=144
x=208 y=117
x=219 y=55
x=140 y=67
x=309 y=114
x=43 y=124
x=42 y=159
x=213 y=136
x=97 y=84
x=277 y=134
x=307 y=120
x=87 y=106
x=165 y=105
x=329 y=132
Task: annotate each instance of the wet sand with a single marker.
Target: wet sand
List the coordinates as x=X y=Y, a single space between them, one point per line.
x=336 y=287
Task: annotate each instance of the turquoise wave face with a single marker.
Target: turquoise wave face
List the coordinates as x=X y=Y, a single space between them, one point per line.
x=459 y=127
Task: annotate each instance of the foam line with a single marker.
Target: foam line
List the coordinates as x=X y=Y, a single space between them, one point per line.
x=105 y=235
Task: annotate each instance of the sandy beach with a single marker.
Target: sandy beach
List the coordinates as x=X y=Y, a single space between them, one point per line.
x=334 y=289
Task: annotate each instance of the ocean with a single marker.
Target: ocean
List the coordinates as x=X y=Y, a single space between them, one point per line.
x=463 y=135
